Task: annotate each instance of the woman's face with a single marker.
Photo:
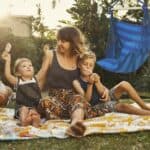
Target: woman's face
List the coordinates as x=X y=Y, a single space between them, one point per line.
x=63 y=46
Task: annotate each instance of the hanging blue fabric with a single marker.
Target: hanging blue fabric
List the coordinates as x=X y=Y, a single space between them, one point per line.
x=128 y=45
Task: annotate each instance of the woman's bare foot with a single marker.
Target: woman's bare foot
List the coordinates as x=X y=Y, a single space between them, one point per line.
x=76 y=130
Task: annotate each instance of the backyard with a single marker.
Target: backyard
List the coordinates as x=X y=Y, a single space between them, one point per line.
x=95 y=26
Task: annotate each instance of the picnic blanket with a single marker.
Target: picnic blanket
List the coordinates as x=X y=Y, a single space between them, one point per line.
x=109 y=123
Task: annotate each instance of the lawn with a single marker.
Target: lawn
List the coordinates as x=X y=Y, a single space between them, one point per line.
x=130 y=141
x=123 y=141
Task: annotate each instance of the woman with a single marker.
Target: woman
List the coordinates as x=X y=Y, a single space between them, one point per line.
x=61 y=71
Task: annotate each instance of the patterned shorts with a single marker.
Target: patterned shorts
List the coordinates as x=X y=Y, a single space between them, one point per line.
x=61 y=103
x=110 y=105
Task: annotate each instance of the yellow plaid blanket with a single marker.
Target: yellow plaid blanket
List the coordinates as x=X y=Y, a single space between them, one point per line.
x=109 y=123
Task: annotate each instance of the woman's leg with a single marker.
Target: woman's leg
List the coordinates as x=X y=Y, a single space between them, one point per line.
x=77 y=114
x=77 y=128
x=127 y=108
x=126 y=87
x=50 y=108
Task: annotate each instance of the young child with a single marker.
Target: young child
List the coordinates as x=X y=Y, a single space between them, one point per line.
x=27 y=85
x=90 y=86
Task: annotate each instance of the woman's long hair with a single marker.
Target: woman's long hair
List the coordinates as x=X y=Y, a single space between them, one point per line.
x=75 y=37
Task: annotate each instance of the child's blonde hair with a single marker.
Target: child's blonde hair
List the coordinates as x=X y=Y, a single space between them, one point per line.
x=86 y=55
x=18 y=62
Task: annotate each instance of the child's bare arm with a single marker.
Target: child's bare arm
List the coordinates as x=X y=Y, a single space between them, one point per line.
x=6 y=56
x=89 y=91
x=87 y=94
x=102 y=90
x=100 y=87
x=78 y=88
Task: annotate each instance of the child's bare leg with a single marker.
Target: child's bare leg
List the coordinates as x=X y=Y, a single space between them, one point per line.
x=77 y=128
x=25 y=118
x=127 y=108
x=128 y=88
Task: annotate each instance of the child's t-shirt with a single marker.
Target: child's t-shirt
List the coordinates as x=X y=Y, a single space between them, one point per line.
x=95 y=95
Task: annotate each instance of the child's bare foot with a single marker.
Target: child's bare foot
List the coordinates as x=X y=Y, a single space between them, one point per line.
x=36 y=120
x=76 y=130
x=27 y=121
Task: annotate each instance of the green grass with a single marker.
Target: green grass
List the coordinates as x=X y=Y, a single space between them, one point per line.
x=130 y=141
x=123 y=141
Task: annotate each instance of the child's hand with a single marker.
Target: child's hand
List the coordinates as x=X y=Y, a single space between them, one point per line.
x=96 y=77
x=91 y=79
x=8 y=48
x=6 y=56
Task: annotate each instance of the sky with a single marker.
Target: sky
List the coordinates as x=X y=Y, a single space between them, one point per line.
x=28 y=7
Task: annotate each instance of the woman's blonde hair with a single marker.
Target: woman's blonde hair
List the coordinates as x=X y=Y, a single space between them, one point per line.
x=75 y=37
x=86 y=55
x=18 y=62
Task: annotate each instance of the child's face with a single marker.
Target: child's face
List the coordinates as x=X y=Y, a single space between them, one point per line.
x=86 y=66
x=25 y=69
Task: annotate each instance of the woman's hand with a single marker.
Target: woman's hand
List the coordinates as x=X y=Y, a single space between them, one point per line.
x=46 y=49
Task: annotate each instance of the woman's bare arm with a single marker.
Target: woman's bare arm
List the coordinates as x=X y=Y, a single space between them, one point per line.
x=46 y=63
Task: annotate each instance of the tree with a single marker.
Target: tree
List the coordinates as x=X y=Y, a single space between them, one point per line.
x=84 y=12
x=37 y=25
x=91 y=16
